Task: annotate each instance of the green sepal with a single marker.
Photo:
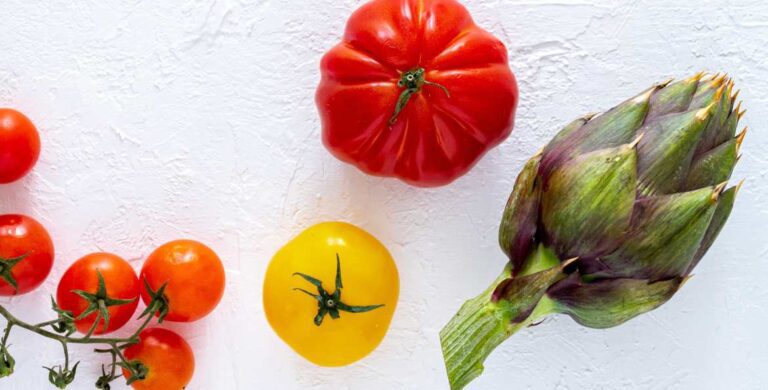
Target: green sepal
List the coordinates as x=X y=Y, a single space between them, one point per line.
x=99 y=302
x=666 y=151
x=666 y=233
x=7 y=362
x=327 y=303
x=609 y=302
x=103 y=382
x=158 y=302
x=713 y=167
x=587 y=205
x=6 y=270
x=62 y=377
x=724 y=207
x=137 y=370
x=520 y=219
x=66 y=323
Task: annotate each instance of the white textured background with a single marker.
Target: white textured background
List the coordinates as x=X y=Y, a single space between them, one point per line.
x=196 y=119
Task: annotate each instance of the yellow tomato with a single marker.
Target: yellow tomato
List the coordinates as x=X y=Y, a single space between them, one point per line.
x=305 y=322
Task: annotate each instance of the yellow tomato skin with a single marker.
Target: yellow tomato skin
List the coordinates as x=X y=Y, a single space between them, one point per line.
x=369 y=276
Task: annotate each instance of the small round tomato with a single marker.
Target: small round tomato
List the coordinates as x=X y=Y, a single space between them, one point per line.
x=81 y=289
x=303 y=297
x=19 y=145
x=26 y=254
x=193 y=276
x=166 y=357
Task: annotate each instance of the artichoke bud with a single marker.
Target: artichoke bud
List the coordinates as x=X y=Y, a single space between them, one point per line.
x=588 y=202
x=724 y=207
x=607 y=130
x=518 y=224
x=610 y=302
x=667 y=149
x=666 y=233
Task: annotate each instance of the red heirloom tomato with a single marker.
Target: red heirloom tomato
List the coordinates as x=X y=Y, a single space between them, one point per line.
x=415 y=90
x=193 y=276
x=80 y=290
x=19 y=145
x=167 y=360
x=26 y=254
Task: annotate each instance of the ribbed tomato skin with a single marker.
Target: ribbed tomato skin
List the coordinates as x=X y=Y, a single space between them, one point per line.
x=436 y=138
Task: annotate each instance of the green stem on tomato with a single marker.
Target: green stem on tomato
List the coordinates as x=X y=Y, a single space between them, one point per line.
x=412 y=81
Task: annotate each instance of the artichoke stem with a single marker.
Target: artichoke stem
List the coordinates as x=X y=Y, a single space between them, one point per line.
x=478 y=328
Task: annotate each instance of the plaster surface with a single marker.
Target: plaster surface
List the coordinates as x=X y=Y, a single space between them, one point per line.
x=196 y=119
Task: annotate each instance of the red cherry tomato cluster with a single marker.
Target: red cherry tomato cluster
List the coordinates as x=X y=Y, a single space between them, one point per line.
x=180 y=281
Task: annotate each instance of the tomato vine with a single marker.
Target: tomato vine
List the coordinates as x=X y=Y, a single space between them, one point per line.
x=63 y=327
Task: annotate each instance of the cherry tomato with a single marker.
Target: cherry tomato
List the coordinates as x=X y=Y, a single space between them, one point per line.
x=167 y=358
x=26 y=254
x=416 y=90
x=193 y=275
x=119 y=296
x=19 y=145
x=325 y=328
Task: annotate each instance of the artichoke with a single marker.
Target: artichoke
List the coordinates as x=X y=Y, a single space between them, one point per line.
x=609 y=219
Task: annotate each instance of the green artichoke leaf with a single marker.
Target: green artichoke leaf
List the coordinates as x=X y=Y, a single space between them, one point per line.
x=520 y=218
x=666 y=233
x=675 y=97
x=724 y=207
x=566 y=133
x=611 y=129
x=706 y=91
x=609 y=302
x=517 y=297
x=720 y=128
x=666 y=150
x=713 y=167
x=587 y=204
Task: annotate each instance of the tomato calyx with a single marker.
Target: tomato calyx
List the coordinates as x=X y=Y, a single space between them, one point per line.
x=99 y=302
x=7 y=362
x=413 y=81
x=331 y=304
x=158 y=303
x=6 y=266
x=65 y=323
x=106 y=378
x=137 y=369
x=60 y=376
